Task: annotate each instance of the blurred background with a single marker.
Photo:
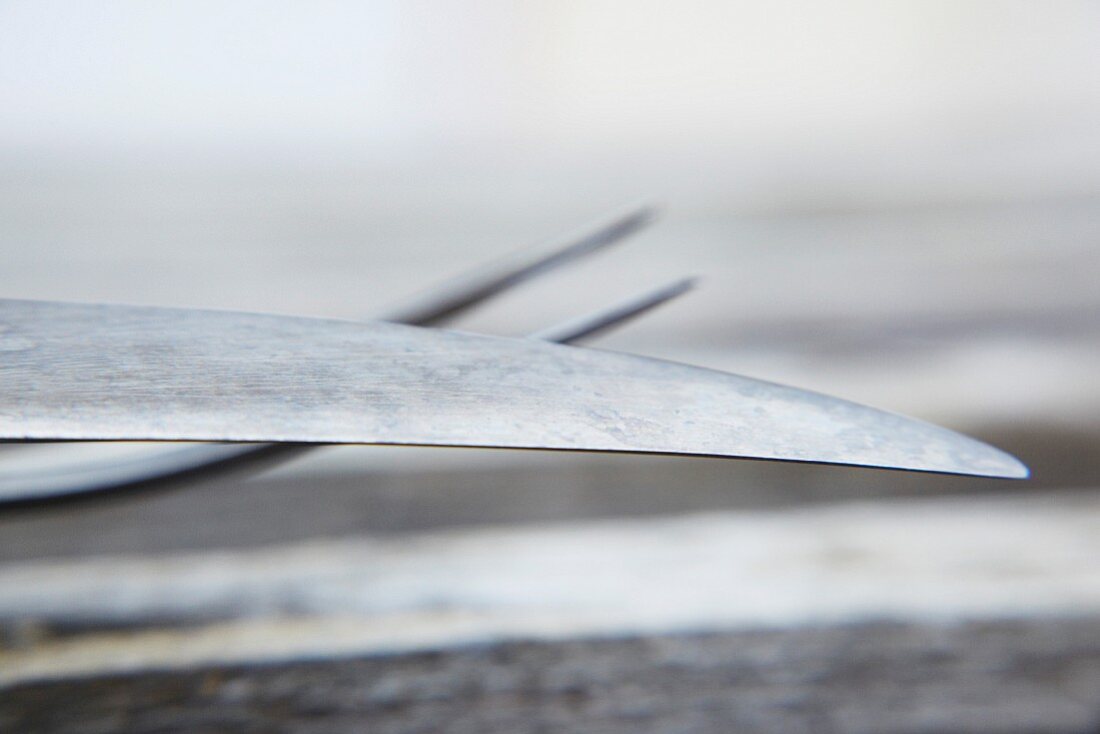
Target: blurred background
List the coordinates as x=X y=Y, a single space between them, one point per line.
x=892 y=202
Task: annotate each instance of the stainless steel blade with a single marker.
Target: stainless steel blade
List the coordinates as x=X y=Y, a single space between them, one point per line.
x=103 y=372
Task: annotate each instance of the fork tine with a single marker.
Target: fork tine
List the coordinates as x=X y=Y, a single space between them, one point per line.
x=589 y=325
x=445 y=302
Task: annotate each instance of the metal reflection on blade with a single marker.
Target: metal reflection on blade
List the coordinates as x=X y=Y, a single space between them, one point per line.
x=102 y=372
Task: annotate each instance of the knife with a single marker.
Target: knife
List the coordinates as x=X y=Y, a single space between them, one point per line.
x=93 y=372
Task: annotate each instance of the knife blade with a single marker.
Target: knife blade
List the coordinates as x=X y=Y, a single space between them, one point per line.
x=109 y=372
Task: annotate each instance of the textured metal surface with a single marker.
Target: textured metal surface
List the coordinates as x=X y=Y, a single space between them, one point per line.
x=160 y=466
x=102 y=372
x=171 y=466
